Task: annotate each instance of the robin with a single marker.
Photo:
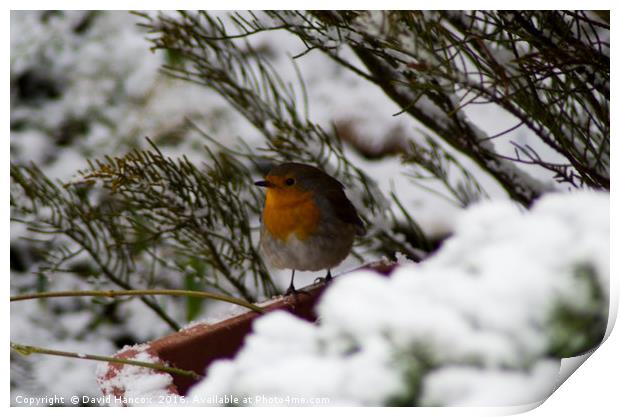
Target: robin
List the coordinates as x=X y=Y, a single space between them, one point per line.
x=308 y=223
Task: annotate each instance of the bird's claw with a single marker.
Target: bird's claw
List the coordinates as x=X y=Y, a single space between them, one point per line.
x=323 y=280
x=292 y=291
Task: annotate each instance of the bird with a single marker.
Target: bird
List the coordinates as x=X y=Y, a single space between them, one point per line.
x=308 y=223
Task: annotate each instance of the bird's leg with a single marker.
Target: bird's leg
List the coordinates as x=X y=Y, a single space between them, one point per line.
x=291 y=287
x=328 y=277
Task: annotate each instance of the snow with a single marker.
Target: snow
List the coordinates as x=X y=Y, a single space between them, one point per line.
x=140 y=386
x=473 y=325
x=109 y=77
x=292 y=347
x=32 y=324
x=468 y=386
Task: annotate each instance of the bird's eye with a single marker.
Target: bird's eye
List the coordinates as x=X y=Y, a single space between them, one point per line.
x=289 y=181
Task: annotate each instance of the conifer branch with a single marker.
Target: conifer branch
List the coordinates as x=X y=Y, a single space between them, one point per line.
x=26 y=350
x=112 y=293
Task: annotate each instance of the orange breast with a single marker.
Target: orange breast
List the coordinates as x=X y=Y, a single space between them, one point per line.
x=289 y=211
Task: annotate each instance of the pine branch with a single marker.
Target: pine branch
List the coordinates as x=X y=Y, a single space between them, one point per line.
x=178 y=293
x=73 y=215
x=511 y=59
x=26 y=350
x=213 y=57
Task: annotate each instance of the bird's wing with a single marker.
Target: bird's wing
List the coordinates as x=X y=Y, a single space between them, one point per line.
x=345 y=210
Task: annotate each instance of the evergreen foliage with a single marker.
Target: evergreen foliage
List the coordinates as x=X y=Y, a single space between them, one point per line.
x=142 y=216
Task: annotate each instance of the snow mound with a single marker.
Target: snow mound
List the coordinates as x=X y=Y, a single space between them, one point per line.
x=131 y=385
x=483 y=322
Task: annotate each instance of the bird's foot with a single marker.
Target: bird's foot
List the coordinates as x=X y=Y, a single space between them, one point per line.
x=324 y=280
x=294 y=292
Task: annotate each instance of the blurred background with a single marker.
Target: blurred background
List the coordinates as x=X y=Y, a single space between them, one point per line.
x=416 y=128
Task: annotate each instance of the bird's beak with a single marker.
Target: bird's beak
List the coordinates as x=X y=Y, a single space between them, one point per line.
x=263 y=183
